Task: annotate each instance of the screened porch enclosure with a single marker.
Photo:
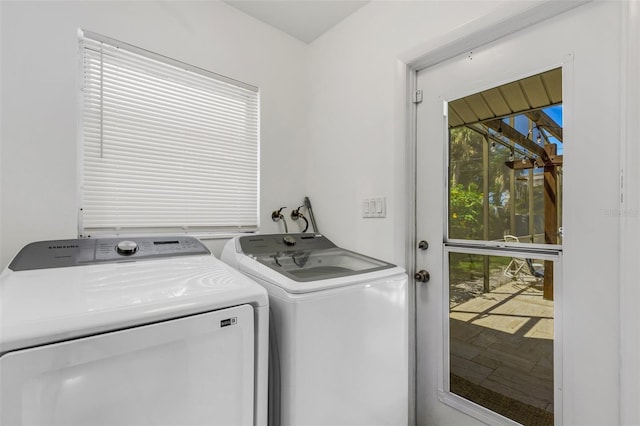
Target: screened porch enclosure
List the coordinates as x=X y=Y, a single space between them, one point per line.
x=505 y=166
x=505 y=186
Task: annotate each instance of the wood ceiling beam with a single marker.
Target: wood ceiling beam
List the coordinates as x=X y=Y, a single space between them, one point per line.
x=552 y=159
x=543 y=120
x=516 y=136
x=482 y=131
x=533 y=163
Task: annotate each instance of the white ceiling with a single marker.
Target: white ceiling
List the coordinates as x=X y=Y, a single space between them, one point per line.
x=305 y=20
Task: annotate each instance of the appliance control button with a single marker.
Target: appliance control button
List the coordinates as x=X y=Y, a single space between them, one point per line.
x=126 y=248
x=289 y=240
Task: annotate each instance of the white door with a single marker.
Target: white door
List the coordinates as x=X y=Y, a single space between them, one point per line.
x=191 y=371
x=585 y=45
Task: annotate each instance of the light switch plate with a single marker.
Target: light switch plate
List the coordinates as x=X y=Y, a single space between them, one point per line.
x=373 y=207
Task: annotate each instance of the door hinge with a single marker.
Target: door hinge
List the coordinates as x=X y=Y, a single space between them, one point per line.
x=417 y=96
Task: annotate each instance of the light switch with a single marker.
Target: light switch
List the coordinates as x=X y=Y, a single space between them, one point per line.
x=374 y=207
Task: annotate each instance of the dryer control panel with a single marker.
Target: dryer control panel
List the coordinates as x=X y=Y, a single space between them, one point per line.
x=77 y=252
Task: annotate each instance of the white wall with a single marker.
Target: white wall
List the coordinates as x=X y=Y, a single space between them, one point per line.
x=39 y=99
x=349 y=84
x=356 y=121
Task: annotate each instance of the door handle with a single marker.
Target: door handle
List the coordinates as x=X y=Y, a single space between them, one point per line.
x=422 y=276
x=423 y=245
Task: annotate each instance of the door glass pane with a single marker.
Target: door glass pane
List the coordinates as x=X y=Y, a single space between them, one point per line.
x=501 y=335
x=505 y=162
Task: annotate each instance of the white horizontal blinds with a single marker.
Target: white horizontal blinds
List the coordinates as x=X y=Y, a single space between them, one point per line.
x=164 y=147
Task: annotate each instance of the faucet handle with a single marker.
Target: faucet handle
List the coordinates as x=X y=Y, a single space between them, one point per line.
x=277 y=215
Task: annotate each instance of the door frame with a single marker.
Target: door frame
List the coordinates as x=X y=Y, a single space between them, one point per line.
x=629 y=223
x=477 y=33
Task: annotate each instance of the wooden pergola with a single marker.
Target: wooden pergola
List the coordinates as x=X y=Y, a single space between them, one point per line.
x=485 y=112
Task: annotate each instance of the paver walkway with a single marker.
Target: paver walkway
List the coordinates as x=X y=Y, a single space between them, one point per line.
x=503 y=341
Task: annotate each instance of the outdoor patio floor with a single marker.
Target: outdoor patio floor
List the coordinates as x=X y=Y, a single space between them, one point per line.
x=503 y=341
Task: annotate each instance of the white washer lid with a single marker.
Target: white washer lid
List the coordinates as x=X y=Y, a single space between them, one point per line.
x=50 y=305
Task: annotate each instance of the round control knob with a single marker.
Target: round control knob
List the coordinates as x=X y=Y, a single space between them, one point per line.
x=127 y=248
x=289 y=240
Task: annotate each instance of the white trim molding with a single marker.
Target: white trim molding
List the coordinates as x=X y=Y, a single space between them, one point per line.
x=630 y=215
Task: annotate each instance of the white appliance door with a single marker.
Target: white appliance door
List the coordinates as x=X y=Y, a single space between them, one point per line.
x=189 y=371
x=344 y=355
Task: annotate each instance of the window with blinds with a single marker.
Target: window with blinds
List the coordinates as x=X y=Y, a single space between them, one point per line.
x=165 y=147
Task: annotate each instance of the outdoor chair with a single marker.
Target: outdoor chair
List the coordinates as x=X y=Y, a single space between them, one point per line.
x=519 y=267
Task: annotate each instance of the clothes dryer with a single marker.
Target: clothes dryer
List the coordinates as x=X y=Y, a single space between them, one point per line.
x=339 y=330
x=148 y=331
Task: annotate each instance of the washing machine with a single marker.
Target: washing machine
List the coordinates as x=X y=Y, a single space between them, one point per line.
x=339 y=330
x=146 y=331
